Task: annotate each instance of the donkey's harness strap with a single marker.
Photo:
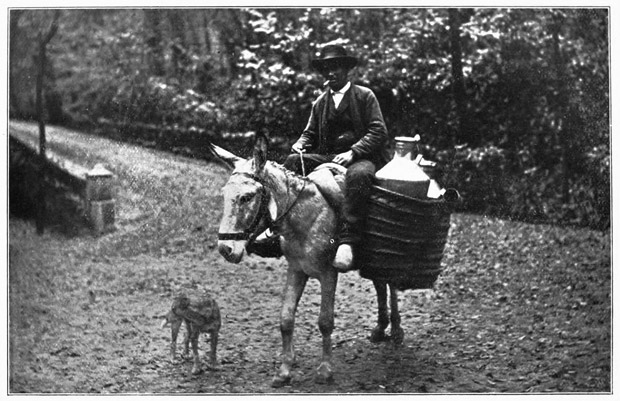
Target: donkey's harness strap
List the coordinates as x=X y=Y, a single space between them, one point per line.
x=293 y=203
x=233 y=236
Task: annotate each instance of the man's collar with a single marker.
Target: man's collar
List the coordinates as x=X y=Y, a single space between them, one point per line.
x=342 y=90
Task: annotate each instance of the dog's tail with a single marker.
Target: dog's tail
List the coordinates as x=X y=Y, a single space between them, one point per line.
x=166 y=320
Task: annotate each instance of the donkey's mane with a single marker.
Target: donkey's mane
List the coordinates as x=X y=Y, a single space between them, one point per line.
x=291 y=176
x=287 y=171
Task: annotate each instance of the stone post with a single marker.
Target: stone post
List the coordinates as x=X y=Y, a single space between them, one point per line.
x=100 y=204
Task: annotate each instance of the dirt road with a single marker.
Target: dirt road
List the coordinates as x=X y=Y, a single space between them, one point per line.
x=519 y=309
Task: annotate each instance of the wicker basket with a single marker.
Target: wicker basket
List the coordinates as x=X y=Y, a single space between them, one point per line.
x=404 y=239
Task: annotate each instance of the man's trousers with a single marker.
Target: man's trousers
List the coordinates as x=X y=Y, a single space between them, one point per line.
x=359 y=180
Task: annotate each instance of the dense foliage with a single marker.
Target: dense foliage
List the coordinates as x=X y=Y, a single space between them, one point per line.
x=513 y=102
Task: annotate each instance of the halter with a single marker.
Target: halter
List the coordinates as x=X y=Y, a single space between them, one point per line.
x=252 y=231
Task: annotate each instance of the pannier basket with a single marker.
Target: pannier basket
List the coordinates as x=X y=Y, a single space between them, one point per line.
x=404 y=239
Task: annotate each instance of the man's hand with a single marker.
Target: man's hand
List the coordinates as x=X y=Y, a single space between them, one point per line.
x=298 y=148
x=344 y=159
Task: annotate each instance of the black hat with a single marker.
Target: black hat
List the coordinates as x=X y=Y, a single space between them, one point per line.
x=334 y=54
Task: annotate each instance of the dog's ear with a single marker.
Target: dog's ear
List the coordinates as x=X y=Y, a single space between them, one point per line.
x=260 y=151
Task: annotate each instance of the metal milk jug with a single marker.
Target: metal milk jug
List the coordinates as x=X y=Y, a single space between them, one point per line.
x=402 y=174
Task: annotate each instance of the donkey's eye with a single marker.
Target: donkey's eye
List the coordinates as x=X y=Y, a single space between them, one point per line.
x=246 y=198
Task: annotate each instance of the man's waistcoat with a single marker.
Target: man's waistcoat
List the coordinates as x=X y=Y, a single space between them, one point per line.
x=361 y=128
x=339 y=127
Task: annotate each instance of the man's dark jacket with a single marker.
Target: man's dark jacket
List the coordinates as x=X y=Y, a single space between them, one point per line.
x=370 y=131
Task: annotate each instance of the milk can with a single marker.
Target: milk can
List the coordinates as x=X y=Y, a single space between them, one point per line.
x=402 y=174
x=407 y=223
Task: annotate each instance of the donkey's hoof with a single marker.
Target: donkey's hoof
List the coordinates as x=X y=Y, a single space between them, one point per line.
x=280 y=381
x=377 y=335
x=398 y=335
x=324 y=374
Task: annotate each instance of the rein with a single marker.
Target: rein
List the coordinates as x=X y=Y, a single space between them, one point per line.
x=252 y=231
x=277 y=220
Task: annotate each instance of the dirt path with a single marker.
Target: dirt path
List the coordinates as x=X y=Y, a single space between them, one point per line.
x=520 y=308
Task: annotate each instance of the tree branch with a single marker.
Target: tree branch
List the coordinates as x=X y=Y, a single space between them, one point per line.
x=53 y=29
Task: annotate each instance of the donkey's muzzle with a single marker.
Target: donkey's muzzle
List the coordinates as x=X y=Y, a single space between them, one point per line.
x=232 y=251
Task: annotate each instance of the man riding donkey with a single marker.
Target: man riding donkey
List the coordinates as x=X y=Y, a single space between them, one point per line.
x=345 y=127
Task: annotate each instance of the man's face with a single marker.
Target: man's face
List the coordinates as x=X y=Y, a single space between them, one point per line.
x=336 y=74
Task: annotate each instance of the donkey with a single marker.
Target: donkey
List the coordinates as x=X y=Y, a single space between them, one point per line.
x=259 y=189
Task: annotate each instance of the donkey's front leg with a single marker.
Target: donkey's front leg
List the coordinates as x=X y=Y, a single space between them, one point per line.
x=378 y=333
x=325 y=373
x=295 y=283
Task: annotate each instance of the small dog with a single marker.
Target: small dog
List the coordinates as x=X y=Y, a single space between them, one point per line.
x=200 y=314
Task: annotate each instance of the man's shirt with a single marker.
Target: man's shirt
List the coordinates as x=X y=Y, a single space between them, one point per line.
x=338 y=95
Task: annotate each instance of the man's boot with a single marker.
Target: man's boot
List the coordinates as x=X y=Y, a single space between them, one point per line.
x=265 y=236
x=266 y=245
x=343 y=262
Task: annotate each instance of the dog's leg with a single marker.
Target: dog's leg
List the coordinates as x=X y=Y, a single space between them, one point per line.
x=213 y=355
x=175 y=326
x=188 y=333
x=194 y=340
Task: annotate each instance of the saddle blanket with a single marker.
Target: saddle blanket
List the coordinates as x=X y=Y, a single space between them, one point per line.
x=329 y=179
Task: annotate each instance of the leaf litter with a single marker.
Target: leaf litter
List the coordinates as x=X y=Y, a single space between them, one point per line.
x=519 y=308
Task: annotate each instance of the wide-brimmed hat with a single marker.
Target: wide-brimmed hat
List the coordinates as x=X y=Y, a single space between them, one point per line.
x=335 y=54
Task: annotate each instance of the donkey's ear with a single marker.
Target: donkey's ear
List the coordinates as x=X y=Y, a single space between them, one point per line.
x=228 y=158
x=260 y=151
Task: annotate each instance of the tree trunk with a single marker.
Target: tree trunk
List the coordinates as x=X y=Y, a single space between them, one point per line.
x=225 y=31
x=215 y=43
x=154 y=41
x=564 y=128
x=458 y=86
x=179 y=57
x=42 y=140
x=13 y=100
x=41 y=56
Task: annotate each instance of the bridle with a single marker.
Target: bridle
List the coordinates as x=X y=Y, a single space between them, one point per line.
x=254 y=229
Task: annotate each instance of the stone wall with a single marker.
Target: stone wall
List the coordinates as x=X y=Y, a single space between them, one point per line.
x=75 y=195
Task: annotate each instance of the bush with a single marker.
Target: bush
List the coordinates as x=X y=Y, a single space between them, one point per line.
x=479 y=175
x=495 y=182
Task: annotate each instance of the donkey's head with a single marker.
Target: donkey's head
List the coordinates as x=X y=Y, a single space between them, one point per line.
x=246 y=202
